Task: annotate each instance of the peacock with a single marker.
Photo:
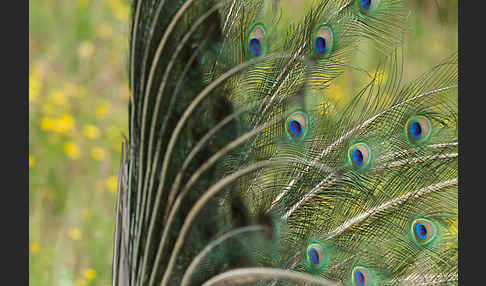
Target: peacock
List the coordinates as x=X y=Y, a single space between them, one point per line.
x=241 y=168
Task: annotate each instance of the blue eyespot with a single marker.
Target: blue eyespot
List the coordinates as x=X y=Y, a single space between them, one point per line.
x=322 y=41
x=315 y=255
x=296 y=125
x=256 y=41
x=423 y=231
x=418 y=129
x=320 y=44
x=255 y=47
x=359 y=155
x=295 y=128
x=361 y=276
x=415 y=129
x=366 y=6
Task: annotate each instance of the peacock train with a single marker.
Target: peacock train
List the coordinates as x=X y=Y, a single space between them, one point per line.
x=242 y=168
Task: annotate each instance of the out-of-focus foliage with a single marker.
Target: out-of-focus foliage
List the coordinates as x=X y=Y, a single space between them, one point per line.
x=78 y=98
x=78 y=107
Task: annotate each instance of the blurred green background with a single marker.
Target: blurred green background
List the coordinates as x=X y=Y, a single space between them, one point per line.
x=78 y=98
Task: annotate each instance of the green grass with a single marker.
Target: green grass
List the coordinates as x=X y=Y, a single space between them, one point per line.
x=78 y=108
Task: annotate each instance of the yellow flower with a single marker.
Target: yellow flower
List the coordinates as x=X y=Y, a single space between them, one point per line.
x=91 y=132
x=86 y=49
x=119 y=9
x=98 y=153
x=74 y=233
x=31 y=161
x=34 y=247
x=102 y=109
x=72 y=150
x=86 y=214
x=47 y=124
x=35 y=85
x=83 y=4
x=64 y=124
x=111 y=184
x=89 y=274
x=58 y=97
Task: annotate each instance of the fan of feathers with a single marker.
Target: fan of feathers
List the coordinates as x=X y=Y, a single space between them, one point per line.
x=243 y=166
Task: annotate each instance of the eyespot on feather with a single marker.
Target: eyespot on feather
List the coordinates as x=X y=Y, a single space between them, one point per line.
x=315 y=256
x=359 y=155
x=423 y=230
x=418 y=129
x=361 y=276
x=256 y=41
x=367 y=6
x=322 y=41
x=296 y=125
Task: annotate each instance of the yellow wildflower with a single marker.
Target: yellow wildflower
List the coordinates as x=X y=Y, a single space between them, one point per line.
x=74 y=233
x=111 y=184
x=119 y=9
x=86 y=50
x=58 y=97
x=98 y=153
x=89 y=274
x=72 y=150
x=102 y=109
x=86 y=214
x=34 y=247
x=47 y=124
x=83 y=4
x=91 y=131
x=31 y=161
x=35 y=86
x=65 y=124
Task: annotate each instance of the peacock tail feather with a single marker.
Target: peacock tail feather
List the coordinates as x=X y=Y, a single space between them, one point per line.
x=237 y=172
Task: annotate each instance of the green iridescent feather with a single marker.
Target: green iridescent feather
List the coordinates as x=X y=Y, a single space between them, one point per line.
x=233 y=173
